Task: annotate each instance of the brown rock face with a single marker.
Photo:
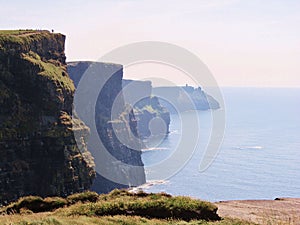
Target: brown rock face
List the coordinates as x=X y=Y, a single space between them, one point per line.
x=38 y=151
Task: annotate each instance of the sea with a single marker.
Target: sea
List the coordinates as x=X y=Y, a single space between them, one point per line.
x=259 y=157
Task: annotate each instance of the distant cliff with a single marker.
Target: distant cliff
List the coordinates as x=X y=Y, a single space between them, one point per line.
x=152 y=117
x=110 y=77
x=185 y=98
x=38 y=152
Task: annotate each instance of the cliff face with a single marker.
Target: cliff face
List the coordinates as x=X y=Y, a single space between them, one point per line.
x=152 y=117
x=112 y=131
x=38 y=152
x=148 y=110
x=185 y=98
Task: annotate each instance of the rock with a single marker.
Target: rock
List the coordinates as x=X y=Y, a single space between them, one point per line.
x=113 y=130
x=152 y=118
x=39 y=155
x=179 y=99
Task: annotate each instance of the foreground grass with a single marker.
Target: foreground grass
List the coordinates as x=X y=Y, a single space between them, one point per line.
x=160 y=206
x=117 y=207
x=52 y=219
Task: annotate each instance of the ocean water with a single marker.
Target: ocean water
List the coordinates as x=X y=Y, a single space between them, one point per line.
x=258 y=159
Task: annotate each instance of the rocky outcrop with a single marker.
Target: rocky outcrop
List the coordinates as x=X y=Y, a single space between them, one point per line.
x=38 y=152
x=113 y=130
x=179 y=99
x=152 y=118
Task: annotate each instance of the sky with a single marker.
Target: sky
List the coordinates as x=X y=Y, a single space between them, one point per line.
x=242 y=42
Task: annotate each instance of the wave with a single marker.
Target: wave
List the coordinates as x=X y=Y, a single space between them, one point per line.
x=147 y=185
x=153 y=149
x=257 y=147
x=174 y=132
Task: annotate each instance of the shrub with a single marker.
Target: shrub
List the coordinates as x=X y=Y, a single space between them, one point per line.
x=36 y=204
x=87 y=196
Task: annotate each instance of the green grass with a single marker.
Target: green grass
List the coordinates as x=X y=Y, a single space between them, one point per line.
x=39 y=204
x=50 y=219
x=35 y=204
x=21 y=37
x=88 y=196
x=161 y=206
x=117 y=207
x=16 y=32
x=51 y=71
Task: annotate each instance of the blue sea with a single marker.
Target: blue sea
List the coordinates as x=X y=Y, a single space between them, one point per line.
x=259 y=157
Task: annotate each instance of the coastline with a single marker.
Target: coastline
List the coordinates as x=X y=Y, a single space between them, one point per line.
x=89 y=207
x=282 y=210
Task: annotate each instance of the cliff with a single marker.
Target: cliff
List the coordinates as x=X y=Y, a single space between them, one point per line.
x=39 y=155
x=113 y=131
x=185 y=98
x=152 y=117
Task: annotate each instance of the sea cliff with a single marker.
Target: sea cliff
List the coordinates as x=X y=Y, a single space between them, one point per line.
x=126 y=163
x=179 y=99
x=152 y=118
x=39 y=155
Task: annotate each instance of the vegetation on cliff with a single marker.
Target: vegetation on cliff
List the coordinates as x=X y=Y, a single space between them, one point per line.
x=24 y=37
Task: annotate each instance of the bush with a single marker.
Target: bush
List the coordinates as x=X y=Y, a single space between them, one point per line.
x=87 y=196
x=36 y=204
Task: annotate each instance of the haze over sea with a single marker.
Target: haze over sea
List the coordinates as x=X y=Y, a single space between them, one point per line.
x=260 y=154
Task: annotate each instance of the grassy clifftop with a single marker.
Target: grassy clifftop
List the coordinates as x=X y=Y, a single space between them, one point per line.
x=23 y=36
x=16 y=32
x=43 y=49
x=117 y=207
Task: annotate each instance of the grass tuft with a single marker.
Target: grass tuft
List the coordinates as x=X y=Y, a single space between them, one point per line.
x=35 y=204
x=87 y=196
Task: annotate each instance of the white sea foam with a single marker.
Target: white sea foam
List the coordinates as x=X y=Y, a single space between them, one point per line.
x=147 y=185
x=249 y=147
x=174 y=132
x=154 y=149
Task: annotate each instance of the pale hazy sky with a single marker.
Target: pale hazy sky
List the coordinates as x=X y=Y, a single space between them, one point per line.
x=243 y=42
